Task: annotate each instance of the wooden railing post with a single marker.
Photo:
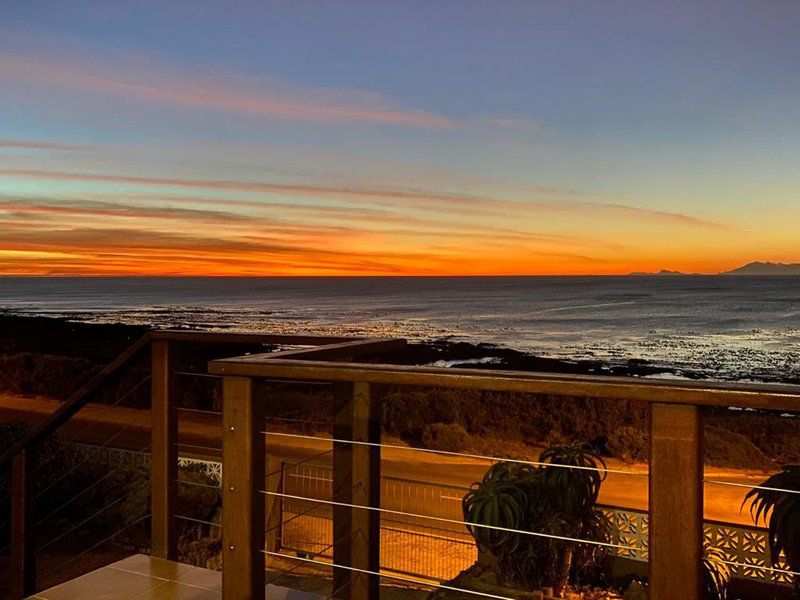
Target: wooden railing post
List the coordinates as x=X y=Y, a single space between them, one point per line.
x=356 y=481
x=676 y=502
x=23 y=560
x=243 y=456
x=164 y=448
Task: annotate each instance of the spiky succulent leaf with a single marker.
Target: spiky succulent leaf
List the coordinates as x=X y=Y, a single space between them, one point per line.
x=716 y=575
x=777 y=503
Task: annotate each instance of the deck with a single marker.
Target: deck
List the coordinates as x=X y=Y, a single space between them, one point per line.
x=140 y=577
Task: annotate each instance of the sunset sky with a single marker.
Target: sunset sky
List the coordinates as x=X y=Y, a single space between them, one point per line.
x=295 y=138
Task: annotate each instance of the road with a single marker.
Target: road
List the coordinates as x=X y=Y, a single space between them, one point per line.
x=199 y=435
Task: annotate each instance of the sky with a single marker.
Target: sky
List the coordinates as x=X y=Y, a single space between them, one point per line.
x=397 y=138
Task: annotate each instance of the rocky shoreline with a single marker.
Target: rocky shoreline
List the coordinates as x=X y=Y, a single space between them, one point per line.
x=101 y=342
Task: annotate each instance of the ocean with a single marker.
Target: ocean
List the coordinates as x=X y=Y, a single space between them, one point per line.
x=730 y=328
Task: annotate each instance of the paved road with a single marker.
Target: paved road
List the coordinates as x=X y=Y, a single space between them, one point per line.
x=199 y=435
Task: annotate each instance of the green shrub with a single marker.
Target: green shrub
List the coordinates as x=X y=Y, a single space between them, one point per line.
x=448 y=437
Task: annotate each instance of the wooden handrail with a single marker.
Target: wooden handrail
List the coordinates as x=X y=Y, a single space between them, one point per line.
x=699 y=393
x=226 y=337
x=331 y=352
x=80 y=398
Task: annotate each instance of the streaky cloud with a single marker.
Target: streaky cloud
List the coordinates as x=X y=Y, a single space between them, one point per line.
x=421 y=198
x=148 y=81
x=38 y=145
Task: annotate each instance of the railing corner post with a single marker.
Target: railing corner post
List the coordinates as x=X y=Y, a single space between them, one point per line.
x=356 y=482
x=676 y=502
x=164 y=450
x=243 y=479
x=23 y=582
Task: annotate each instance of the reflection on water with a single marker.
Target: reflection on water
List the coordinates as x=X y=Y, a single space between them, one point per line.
x=727 y=327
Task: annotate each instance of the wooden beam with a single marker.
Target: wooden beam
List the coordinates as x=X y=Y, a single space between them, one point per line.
x=164 y=448
x=344 y=350
x=697 y=393
x=23 y=576
x=676 y=502
x=243 y=456
x=219 y=337
x=357 y=481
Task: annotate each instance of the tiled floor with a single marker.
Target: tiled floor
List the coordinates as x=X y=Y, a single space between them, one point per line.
x=141 y=577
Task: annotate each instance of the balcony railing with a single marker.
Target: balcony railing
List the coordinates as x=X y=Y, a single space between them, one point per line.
x=675 y=468
x=256 y=502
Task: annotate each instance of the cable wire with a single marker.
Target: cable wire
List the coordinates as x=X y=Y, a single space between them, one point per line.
x=752 y=487
x=101 y=542
x=456 y=522
x=298 y=463
x=448 y=453
x=89 y=518
x=392 y=576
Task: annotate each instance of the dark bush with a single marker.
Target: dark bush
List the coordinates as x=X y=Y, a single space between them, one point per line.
x=407 y=411
x=449 y=437
x=725 y=448
x=628 y=443
x=509 y=416
x=204 y=553
x=44 y=375
x=198 y=497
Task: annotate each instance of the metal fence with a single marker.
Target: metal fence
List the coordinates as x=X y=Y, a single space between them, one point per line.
x=409 y=545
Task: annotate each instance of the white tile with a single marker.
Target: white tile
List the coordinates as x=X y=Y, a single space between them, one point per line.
x=103 y=584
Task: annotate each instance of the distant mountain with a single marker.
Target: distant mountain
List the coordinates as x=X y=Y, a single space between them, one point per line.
x=661 y=272
x=766 y=268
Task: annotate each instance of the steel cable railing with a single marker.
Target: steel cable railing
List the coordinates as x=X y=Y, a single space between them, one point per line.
x=103 y=407
x=396 y=577
x=91 y=517
x=452 y=521
x=315 y=554
x=41 y=465
x=76 y=466
x=198 y=521
x=449 y=453
x=304 y=461
x=751 y=486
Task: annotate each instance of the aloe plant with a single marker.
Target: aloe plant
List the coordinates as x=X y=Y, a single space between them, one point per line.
x=550 y=499
x=777 y=503
x=716 y=575
x=499 y=500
